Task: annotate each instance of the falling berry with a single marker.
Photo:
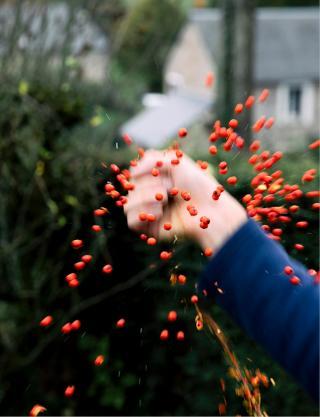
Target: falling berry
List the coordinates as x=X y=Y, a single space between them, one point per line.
x=99 y=360
x=107 y=269
x=96 y=228
x=86 y=258
x=77 y=243
x=75 y=325
x=182 y=132
x=36 y=410
x=164 y=335
x=295 y=280
x=172 y=315
x=120 y=323
x=194 y=299
x=208 y=252
x=69 y=391
x=66 y=328
x=182 y=279
x=164 y=255
x=180 y=335
x=288 y=270
x=46 y=321
x=79 y=265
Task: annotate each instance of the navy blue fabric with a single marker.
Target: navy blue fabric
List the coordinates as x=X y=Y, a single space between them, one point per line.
x=282 y=317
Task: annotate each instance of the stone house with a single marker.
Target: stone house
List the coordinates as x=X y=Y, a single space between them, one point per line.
x=286 y=61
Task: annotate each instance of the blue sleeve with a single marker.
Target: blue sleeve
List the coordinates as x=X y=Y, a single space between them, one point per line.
x=282 y=317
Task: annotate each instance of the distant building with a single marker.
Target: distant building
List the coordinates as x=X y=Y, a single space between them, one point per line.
x=55 y=31
x=286 y=60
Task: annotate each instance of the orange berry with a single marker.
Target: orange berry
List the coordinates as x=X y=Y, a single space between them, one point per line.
x=180 y=335
x=208 y=252
x=159 y=197
x=172 y=315
x=99 y=360
x=164 y=335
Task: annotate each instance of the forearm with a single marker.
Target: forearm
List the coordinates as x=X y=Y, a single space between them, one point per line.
x=284 y=318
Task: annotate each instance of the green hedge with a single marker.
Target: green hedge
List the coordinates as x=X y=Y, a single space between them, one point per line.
x=52 y=142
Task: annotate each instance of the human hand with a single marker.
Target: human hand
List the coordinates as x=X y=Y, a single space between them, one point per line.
x=153 y=195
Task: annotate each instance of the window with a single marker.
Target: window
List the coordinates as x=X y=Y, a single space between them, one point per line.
x=296 y=103
x=295 y=94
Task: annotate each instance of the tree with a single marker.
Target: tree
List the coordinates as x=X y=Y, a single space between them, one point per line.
x=145 y=37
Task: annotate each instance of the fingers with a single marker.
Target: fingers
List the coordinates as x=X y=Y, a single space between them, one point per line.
x=148 y=198
x=149 y=161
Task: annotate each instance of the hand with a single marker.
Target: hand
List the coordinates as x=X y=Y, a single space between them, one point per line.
x=226 y=214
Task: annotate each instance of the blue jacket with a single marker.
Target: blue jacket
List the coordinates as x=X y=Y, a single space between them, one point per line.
x=282 y=317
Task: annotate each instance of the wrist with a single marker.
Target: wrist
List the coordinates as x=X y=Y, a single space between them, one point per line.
x=222 y=226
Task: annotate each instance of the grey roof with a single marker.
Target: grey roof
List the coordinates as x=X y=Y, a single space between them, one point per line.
x=155 y=126
x=286 y=41
x=47 y=27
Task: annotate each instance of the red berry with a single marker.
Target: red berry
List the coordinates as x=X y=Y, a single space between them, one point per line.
x=151 y=241
x=36 y=410
x=69 y=391
x=73 y=283
x=238 y=109
x=186 y=196
x=155 y=172
x=71 y=276
x=194 y=299
x=182 y=279
x=264 y=95
x=182 y=132
x=298 y=246
x=208 y=252
x=107 y=269
x=121 y=323
x=164 y=335
x=46 y=321
x=164 y=255
x=295 y=280
x=302 y=225
x=99 y=360
x=143 y=236
x=79 y=265
x=75 y=325
x=100 y=212
x=173 y=192
x=143 y=216
x=233 y=123
x=151 y=217
x=249 y=102
x=172 y=316
x=86 y=258
x=213 y=150
x=115 y=168
x=66 y=328
x=288 y=270
x=159 y=197
x=109 y=187
x=167 y=226
x=77 y=243
x=96 y=228
x=180 y=336
x=232 y=180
